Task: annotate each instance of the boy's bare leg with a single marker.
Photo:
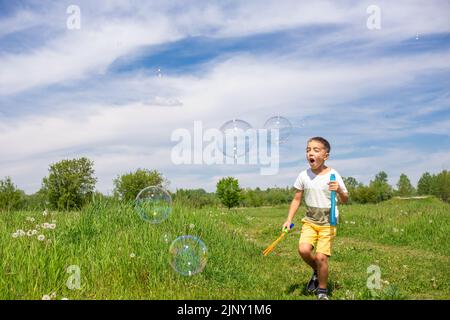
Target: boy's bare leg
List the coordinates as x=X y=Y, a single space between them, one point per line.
x=305 y=250
x=322 y=269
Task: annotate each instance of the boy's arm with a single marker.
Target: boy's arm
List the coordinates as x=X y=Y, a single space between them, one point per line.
x=341 y=191
x=295 y=204
x=343 y=196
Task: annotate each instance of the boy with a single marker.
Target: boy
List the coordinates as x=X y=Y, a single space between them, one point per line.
x=315 y=184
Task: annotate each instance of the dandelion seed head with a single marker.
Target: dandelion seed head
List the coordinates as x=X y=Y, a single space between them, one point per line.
x=41 y=237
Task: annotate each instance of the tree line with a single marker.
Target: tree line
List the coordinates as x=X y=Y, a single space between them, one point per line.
x=70 y=185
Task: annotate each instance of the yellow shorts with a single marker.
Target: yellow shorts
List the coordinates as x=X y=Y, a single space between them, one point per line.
x=323 y=235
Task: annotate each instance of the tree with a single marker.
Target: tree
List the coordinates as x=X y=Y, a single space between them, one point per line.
x=380 y=187
x=36 y=201
x=404 y=186
x=425 y=184
x=364 y=194
x=70 y=183
x=10 y=196
x=128 y=186
x=381 y=177
x=227 y=190
x=196 y=198
x=443 y=185
x=351 y=183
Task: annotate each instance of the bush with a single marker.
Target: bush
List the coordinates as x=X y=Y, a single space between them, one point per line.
x=228 y=192
x=436 y=185
x=11 y=197
x=36 y=201
x=404 y=186
x=128 y=186
x=70 y=184
x=197 y=198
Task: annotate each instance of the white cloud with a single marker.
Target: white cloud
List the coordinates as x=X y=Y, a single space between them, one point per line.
x=135 y=132
x=79 y=53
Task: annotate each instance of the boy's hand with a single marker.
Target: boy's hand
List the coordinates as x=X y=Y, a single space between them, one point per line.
x=333 y=186
x=287 y=225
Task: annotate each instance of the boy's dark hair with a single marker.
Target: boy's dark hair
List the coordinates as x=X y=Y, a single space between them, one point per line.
x=325 y=143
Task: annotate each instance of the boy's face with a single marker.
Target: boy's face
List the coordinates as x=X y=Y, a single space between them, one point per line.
x=316 y=154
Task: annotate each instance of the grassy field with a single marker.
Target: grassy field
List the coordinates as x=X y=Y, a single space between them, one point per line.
x=122 y=257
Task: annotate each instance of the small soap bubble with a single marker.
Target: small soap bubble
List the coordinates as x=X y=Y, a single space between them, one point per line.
x=188 y=255
x=237 y=138
x=281 y=124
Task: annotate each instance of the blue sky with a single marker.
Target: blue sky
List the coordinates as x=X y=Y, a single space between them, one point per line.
x=381 y=97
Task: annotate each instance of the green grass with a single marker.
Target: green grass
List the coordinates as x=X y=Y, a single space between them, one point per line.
x=406 y=239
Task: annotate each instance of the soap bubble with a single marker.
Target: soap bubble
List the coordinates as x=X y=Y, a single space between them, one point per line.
x=153 y=204
x=237 y=138
x=188 y=255
x=281 y=124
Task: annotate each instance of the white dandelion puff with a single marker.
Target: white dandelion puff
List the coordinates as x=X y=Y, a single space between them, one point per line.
x=41 y=237
x=34 y=232
x=46 y=297
x=46 y=225
x=65 y=299
x=29 y=233
x=15 y=235
x=45 y=213
x=132 y=255
x=52 y=226
x=53 y=295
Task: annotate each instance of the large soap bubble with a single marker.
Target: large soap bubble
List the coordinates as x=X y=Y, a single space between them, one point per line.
x=153 y=204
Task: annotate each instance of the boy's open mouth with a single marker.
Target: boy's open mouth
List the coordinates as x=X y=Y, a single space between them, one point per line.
x=311 y=160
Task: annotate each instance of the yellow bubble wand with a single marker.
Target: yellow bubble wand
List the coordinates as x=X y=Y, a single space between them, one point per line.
x=270 y=248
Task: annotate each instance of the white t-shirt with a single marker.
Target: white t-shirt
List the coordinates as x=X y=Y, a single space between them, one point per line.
x=317 y=195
